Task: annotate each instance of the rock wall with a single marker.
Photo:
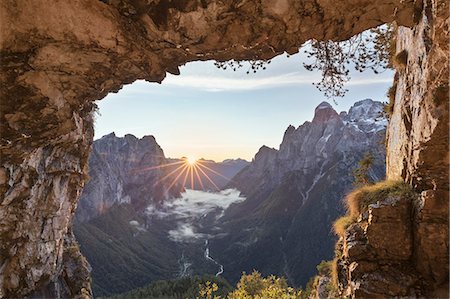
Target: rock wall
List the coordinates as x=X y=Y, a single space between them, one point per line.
x=387 y=253
x=418 y=136
x=373 y=259
x=57 y=59
x=411 y=260
x=418 y=131
x=125 y=170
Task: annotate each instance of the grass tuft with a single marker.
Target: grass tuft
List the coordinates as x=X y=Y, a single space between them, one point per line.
x=334 y=273
x=324 y=268
x=388 y=108
x=358 y=200
x=340 y=225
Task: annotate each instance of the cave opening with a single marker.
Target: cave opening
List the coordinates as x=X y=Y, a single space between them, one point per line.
x=57 y=60
x=216 y=116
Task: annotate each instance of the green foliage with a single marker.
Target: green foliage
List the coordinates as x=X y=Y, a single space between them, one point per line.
x=209 y=290
x=310 y=288
x=358 y=200
x=361 y=173
x=188 y=287
x=370 y=50
x=324 y=268
x=254 y=286
x=253 y=65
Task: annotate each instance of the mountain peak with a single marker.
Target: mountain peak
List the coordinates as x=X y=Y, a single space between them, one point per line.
x=265 y=152
x=365 y=109
x=324 y=112
x=110 y=135
x=324 y=105
x=289 y=130
x=149 y=138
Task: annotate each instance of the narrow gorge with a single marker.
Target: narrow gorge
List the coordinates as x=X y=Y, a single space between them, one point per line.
x=58 y=59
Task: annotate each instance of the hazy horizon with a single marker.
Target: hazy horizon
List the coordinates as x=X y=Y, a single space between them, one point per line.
x=215 y=114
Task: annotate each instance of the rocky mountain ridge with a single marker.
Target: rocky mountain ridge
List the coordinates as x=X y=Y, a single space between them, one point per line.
x=307 y=148
x=215 y=176
x=124 y=170
x=136 y=171
x=295 y=193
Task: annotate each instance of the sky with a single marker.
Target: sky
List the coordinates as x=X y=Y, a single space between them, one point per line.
x=216 y=114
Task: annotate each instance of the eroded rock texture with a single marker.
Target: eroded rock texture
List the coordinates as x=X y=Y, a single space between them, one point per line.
x=418 y=136
x=58 y=58
x=374 y=256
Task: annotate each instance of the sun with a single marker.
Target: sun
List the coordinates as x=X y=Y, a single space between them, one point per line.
x=187 y=170
x=191 y=161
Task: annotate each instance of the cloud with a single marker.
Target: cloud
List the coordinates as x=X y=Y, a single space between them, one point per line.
x=369 y=81
x=219 y=84
x=216 y=83
x=191 y=207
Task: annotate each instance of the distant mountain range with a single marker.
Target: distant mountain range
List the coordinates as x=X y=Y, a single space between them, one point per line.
x=136 y=171
x=219 y=173
x=137 y=223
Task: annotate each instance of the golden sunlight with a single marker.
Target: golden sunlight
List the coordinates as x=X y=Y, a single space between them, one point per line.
x=187 y=172
x=191 y=160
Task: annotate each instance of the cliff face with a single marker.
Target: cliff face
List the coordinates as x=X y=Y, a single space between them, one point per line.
x=418 y=136
x=58 y=59
x=313 y=147
x=412 y=259
x=125 y=170
x=374 y=256
x=294 y=193
x=383 y=254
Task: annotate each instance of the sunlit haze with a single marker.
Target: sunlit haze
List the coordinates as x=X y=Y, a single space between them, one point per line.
x=219 y=114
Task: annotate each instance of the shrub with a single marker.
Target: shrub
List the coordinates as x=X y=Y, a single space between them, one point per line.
x=254 y=286
x=361 y=173
x=358 y=200
x=388 y=108
x=401 y=59
x=324 y=268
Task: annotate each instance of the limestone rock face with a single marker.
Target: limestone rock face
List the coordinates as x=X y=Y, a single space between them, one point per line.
x=376 y=252
x=418 y=139
x=418 y=130
x=315 y=147
x=125 y=170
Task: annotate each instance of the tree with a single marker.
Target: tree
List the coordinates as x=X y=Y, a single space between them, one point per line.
x=361 y=173
x=254 y=286
x=372 y=49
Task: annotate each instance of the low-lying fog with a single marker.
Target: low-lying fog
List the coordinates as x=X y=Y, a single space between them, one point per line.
x=191 y=208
